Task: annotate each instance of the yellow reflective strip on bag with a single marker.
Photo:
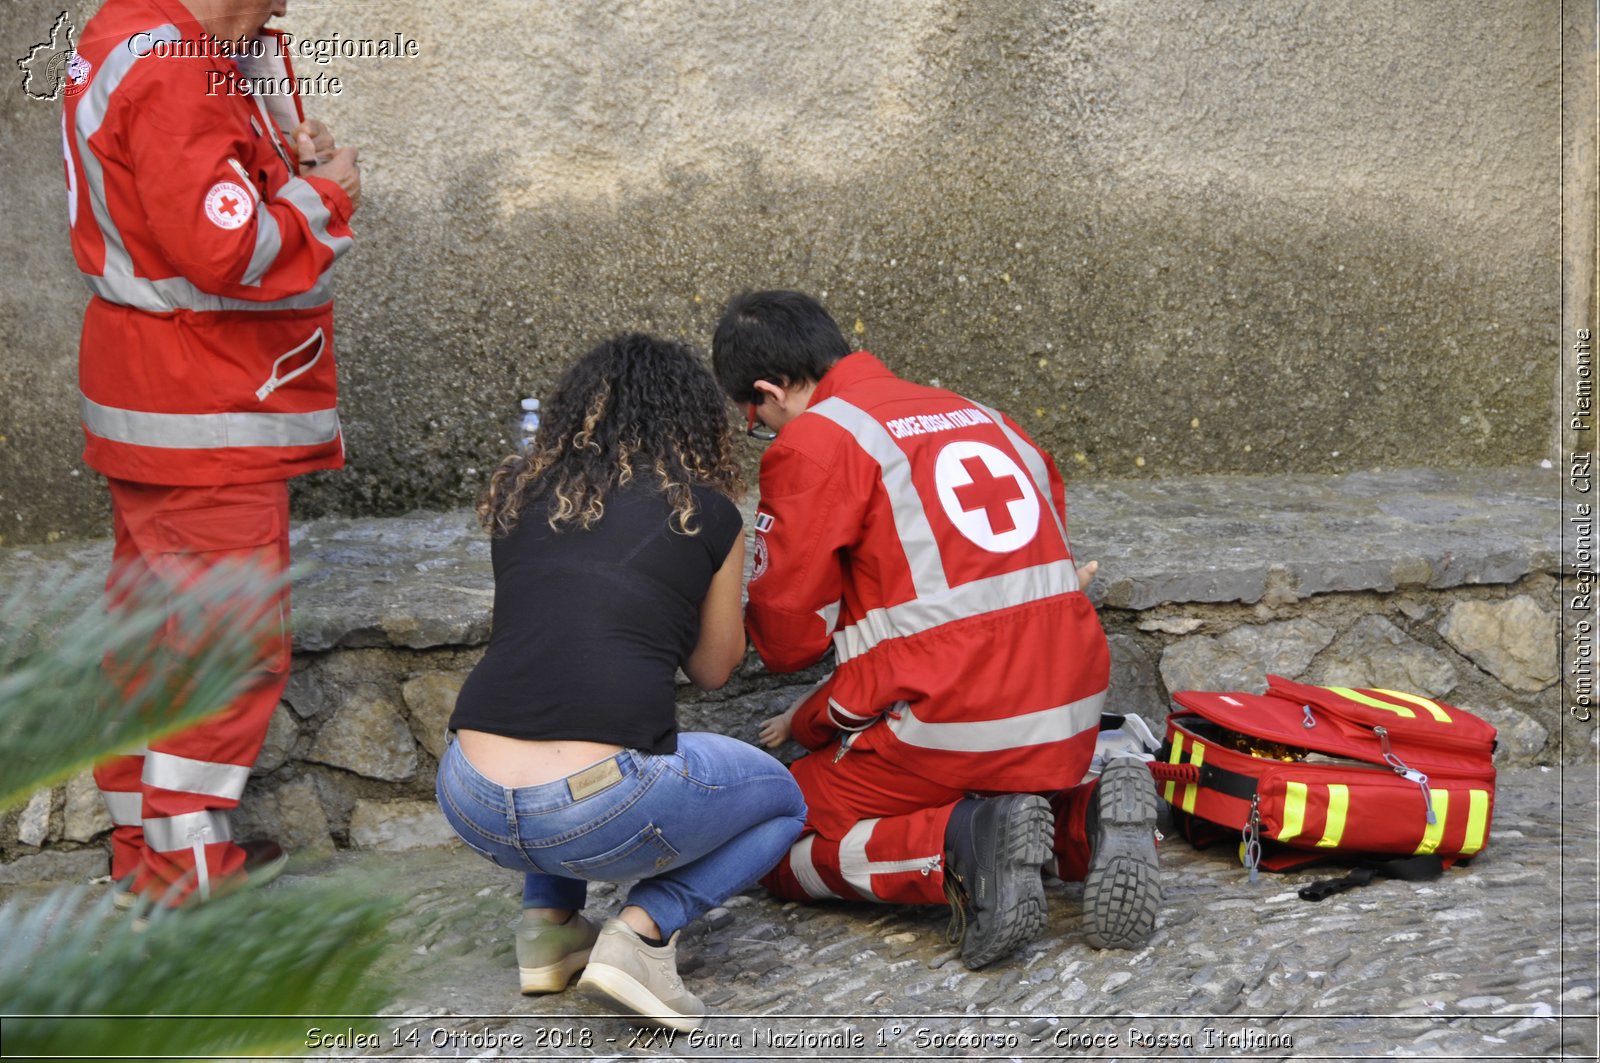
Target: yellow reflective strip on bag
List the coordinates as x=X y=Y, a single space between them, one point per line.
x=1477 y=821
x=1338 y=808
x=1197 y=756
x=1175 y=758
x=1356 y=695
x=1435 y=832
x=1294 y=811
x=1434 y=708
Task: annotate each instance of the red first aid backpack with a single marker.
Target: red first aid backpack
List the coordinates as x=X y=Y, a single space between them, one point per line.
x=1306 y=773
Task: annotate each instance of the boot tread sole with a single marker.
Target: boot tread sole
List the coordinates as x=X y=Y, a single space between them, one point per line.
x=1122 y=892
x=1025 y=835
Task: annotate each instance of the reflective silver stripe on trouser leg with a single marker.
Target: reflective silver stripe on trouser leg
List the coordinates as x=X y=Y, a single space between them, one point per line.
x=804 y=870
x=186 y=775
x=854 y=867
x=193 y=831
x=858 y=870
x=126 y=807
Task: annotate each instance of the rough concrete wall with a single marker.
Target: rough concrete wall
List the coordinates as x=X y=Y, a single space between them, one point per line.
x=1172 y=238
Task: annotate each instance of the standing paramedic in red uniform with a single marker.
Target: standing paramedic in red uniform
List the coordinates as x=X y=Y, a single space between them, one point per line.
x=206 y=222
x=923 y=536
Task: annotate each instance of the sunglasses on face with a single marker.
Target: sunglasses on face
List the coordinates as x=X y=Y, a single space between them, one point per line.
x=753 y=427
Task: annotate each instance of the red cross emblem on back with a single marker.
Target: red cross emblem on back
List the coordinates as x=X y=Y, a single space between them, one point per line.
x=990 y=493
x=987 y=495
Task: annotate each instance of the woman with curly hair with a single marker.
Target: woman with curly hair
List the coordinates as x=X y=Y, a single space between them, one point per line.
x=618 y=553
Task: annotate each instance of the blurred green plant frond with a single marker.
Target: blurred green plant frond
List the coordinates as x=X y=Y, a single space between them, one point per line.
x=227 y=978
x=80 y=680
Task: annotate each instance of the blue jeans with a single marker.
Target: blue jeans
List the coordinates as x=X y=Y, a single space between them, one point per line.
x=692 y=827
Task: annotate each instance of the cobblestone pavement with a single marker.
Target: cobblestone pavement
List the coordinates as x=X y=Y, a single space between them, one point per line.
x=1493 y=961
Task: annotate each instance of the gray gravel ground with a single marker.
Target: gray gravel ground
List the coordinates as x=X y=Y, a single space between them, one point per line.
x=1497 y=960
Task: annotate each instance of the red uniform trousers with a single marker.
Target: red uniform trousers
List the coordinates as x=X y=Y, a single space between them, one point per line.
x=875 y=831
x=169 y=801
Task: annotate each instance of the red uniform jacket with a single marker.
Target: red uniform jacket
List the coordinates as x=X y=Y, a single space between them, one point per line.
x=925 y=536
x=207 y=348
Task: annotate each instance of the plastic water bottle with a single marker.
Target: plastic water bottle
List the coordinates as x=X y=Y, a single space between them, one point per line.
x=530 y=421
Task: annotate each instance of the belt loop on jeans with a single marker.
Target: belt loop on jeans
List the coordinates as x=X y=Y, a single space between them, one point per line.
x=595 y=779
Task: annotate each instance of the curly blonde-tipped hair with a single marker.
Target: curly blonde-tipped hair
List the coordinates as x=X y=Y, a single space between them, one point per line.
x=634 y=406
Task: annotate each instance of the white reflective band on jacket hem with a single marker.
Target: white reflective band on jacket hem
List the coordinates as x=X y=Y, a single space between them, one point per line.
x=175 y=293
x=116 y=283
x=993 y=736
x=209 y=431
x=805 y=870
x=925 y=613
x=183 y=775
x=303 y=197
x=172 y=834
x=910 y=522
x=127 y=809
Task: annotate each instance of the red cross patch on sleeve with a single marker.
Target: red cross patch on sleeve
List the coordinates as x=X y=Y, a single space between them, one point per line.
x=228 y=206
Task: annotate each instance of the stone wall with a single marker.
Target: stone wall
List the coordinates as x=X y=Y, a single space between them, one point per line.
x=1444 y=584
x=1171 y=239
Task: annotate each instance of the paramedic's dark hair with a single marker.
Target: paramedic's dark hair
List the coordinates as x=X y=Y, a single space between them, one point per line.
x=777 y=336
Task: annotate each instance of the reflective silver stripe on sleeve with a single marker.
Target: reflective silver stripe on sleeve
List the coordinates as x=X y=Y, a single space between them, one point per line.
x=960 y=602
x=126 y=808
x=91 y=112
x=846 y=720
x=1036 y=467
x=187 y=776
x=209 y=431
x=268 y=243
x=304 y=198
x=172 y=834
x=117 y=283
x=805 y=870
x=992 y=736
x=910 y=522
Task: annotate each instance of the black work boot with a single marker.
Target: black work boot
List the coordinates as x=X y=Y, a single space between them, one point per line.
x=1122 y=891
x=994 y=847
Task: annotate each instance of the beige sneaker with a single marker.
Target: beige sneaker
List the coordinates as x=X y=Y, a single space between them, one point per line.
x=549 y=954
x=625 y=972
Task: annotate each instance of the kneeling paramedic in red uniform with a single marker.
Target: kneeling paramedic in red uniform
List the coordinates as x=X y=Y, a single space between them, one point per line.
x=923 y=536
x=205 y=219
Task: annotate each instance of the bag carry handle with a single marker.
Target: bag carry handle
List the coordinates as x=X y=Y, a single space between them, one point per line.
x=1180 y=773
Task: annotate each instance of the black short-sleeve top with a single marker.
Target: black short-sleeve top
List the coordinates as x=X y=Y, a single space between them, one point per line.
x=590 y=626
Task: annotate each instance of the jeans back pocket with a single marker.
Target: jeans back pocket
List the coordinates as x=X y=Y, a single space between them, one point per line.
x=643 y=855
